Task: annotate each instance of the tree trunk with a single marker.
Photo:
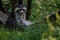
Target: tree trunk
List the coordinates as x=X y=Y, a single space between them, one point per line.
x=29 y=2
x=13 y=8
x=2 y=8
x=0 y=3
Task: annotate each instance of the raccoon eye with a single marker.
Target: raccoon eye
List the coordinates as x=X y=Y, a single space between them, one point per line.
x=17 y=11
x=23 y=10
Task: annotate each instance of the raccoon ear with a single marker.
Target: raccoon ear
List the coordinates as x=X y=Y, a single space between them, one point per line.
x=16 y=5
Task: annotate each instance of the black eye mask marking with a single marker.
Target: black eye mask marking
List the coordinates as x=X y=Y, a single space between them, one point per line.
x=17 y=11
x=20 y=10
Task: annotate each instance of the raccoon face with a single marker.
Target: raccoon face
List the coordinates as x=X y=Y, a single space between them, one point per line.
x=20 y=9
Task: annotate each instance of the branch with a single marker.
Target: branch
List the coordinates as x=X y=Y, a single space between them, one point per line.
x=3 y=17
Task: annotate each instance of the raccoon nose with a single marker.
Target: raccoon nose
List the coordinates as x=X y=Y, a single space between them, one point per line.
x=21 y=11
